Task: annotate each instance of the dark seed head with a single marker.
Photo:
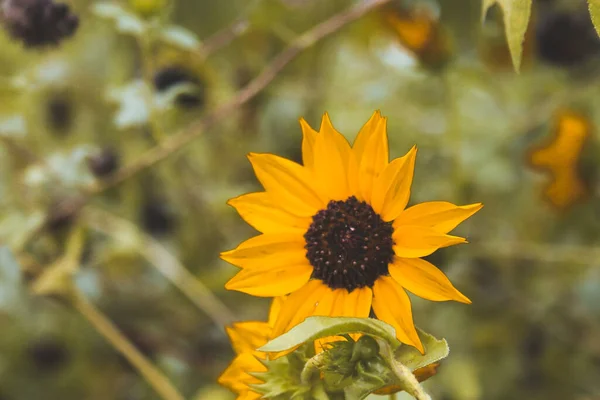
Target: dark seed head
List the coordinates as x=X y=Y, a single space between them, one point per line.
x=171 y=76
x=567 y=39
x=59 y=113
x=157 y=218
x=349 y=245
x=104 y=163
x=38 y=23
x=48 y=354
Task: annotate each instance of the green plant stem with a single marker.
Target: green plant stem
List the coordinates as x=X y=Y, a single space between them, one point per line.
x=174 y=143
x=147 y=62
x=106 y=328
x=167 y=264
x=178 y=141
x=453 y=134
x=410 y=382
x=406 y=379
x=311 y=368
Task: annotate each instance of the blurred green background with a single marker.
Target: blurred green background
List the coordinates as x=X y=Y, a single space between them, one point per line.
x=137 y=72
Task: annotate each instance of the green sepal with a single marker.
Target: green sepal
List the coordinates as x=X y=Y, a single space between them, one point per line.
x=371 y=376
x=347 y=369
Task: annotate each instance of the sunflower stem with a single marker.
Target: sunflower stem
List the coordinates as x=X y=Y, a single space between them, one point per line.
x=406 y=379
x=409 y=381
x=312 y=367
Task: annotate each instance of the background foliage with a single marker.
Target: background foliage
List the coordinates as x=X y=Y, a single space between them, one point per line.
x=144 y=249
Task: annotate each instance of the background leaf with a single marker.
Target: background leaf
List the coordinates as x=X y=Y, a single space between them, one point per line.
x=594 y=6
x=516 y=18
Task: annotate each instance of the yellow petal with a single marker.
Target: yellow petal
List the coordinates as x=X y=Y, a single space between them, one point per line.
x=326 y=303
x=416 y=241
x=360 y=142
x=236 y=376
x=309 y=136
x=332 y=304
x=268 y=250
x=247 y=336
x=258 y=210
x=300 y=305
x=288 y=184
x=357 y=303
x=391 y=191
x=392 y=305
x=424 y=280
x=249 y=395
x=437 y=215
x=269 y=281
x=275 y=309
x=332 y=153
x=374 y=159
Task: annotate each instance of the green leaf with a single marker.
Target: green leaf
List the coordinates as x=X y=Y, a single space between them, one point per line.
x=594 y=6
x=435 y=350
x=314 y=328
x=516 y=17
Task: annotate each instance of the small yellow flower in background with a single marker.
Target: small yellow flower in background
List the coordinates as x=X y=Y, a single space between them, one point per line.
x=337 y=236
x=420 y=32
x=245 y=338
x=561 y=158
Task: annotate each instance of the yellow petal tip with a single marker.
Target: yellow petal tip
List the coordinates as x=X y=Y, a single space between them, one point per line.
x=419 y=346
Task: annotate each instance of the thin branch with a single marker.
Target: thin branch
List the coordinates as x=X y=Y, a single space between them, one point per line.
x=181 y=139
x=106 y=328
x=178 y=141
x=164 y=262
x=223 y=37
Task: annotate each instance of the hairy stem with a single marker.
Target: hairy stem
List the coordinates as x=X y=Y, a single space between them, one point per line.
x=311 y=368
x=404 y=376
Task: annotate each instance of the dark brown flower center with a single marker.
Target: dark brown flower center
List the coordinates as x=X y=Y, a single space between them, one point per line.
x=349 y=245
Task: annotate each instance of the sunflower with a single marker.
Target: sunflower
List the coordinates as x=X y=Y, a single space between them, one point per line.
x=336 y=234
x=245 y=338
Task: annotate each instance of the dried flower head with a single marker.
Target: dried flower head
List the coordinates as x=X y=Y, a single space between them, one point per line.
x=38 y=23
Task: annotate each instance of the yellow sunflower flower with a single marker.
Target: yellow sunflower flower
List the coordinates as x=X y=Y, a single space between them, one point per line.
x=336 y=234
x=245 y=338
